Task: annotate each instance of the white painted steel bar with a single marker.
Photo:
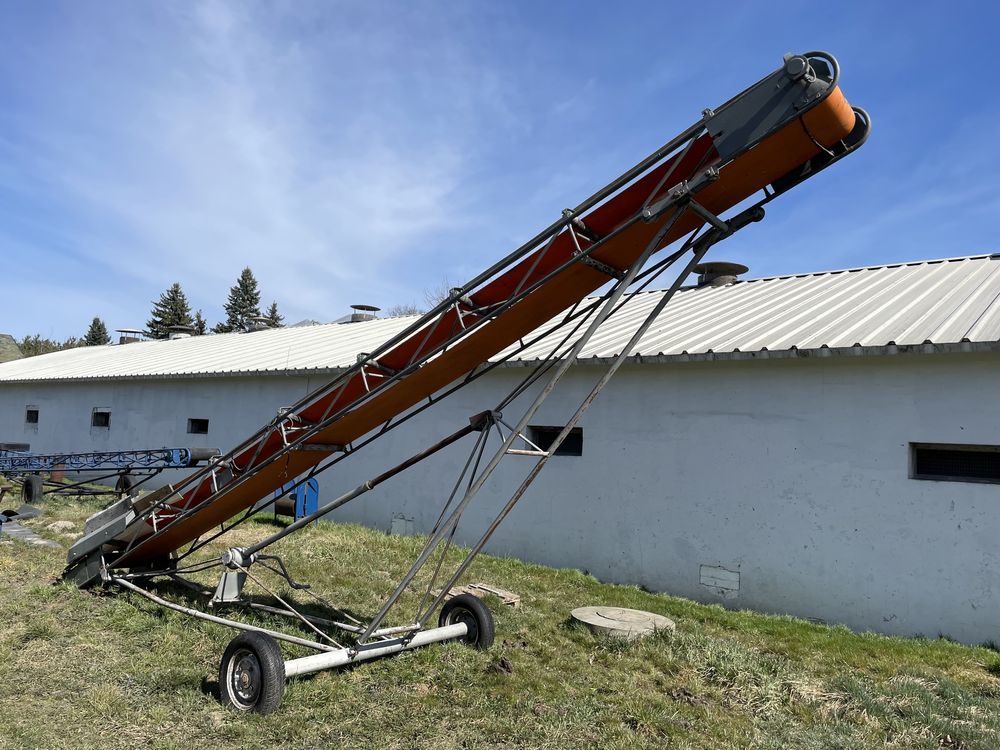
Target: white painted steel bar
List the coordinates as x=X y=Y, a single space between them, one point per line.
x=343 y=657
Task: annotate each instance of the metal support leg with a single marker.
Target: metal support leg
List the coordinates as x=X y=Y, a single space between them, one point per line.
x=609 y=305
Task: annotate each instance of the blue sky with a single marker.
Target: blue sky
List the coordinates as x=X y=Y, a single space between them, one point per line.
x=366 y=152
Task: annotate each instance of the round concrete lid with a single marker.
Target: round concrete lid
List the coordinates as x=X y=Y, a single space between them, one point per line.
x=621 y=622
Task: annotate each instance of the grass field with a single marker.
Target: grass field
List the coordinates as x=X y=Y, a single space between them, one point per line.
x=84 y=670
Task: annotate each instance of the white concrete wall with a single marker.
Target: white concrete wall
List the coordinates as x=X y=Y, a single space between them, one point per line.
x=780 y=486
x=144 y=414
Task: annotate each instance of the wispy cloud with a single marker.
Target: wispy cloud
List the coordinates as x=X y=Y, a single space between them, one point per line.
x=362 y=152
x=239 y=144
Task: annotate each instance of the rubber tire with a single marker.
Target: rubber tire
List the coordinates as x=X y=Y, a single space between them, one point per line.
x=271 y=670
x=124 y=484
x=475 y=614
x=32 y=489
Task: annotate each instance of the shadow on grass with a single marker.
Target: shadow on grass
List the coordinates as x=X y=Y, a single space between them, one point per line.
x=210 y=688
x=195 y=596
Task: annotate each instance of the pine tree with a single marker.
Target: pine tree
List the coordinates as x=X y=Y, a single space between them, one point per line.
x=172 y=309
x=242 y=305
x=200 y=326
x=274 y=320
x=97 y=334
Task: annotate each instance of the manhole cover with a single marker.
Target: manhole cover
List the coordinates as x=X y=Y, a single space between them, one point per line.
x=621 y=622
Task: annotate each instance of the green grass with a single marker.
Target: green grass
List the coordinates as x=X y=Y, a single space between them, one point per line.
x=83 y=670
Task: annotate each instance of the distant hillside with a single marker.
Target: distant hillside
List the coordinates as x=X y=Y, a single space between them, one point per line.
x=8 y=348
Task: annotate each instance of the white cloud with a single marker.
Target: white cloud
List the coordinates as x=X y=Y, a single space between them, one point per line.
x=241 y=145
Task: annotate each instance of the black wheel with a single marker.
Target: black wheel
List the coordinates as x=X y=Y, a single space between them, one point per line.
x=32 y=489
x=124 y=484
x=252 y=674
x=476 y=616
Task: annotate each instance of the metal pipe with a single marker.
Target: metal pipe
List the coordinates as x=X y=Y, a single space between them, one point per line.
x=366 y=486
x=700 y=247
x=664 y=151
x=540 y=464
x=138 y=542
x=341 y=657
x=219 y=620
x=612 y=299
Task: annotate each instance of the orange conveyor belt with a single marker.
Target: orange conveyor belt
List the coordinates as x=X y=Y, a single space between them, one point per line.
x=777 y=155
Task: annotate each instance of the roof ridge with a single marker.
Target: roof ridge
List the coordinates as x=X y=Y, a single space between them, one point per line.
x=913 y=303
x=829 y=272
x=877 y=267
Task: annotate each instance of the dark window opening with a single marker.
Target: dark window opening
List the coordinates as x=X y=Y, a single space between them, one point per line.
x=31 y=416
x=955 y=463
x=543 y=437
x=197 y=426
x=100 y=419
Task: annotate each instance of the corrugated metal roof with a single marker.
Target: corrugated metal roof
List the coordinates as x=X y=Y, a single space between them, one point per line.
x=939 y=302
x=277 y=350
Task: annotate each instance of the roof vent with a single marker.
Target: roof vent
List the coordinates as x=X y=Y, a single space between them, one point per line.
x=257 y=323
x=718 y=272
x=363 y=312
x=179 y=332
x=130 y=335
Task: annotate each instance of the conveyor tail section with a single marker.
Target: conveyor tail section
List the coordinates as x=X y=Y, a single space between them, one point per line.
x=17 y=462
x=775 y=134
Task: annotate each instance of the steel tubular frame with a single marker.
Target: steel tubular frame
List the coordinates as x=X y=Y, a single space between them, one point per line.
x=576 y=314
x=443 y=533
x=570 y=220
x=682 y=197
x=172 y=458
x=344 y=379
x=444 y=530
x=732 y=130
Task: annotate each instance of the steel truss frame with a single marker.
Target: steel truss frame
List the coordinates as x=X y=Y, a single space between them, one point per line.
x=296 y=433
x=674 y=196
x=370 y=638
x=156 y=458
x=133 y=468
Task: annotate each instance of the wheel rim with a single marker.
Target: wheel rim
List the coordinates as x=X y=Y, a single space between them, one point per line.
x=462 y=615
x=244 y=678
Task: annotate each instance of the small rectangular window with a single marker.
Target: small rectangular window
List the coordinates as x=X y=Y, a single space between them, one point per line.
x=955 y=463
x=544 y=436
x=31 y=415
x=100 y=418
x=197 y=426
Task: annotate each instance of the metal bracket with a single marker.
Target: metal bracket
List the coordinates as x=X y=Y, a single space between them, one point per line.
x=707 y=215
x=604 y=268
x=375 y=364
x=230 y=588
x=680 y=194
x=577 y=224
x=484 y=419
x=455 y=295
x=798 y=85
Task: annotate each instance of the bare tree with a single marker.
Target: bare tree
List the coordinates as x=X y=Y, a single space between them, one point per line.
x=397 y=311
x=435 y=295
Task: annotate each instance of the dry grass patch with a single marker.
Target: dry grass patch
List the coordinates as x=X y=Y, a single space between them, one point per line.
x=81 y=670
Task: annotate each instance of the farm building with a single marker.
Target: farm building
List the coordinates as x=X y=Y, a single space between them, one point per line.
x=825 y=445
